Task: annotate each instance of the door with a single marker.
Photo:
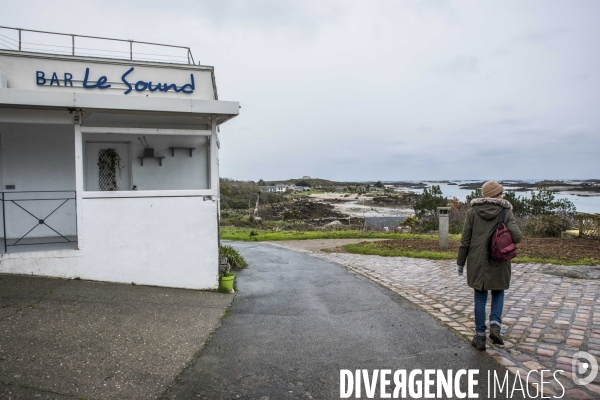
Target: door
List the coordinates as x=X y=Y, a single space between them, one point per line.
x=108 y=167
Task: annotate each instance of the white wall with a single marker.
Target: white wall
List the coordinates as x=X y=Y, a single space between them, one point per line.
x=167 y=241
x=178 y=172
x=38 y=157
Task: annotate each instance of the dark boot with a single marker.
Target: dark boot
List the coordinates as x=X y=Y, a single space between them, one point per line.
x=495 y=334
x=479 y=342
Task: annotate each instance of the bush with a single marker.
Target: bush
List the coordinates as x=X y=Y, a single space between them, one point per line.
x=542 y=202
x=294 y=213
x=235 y=259
x=426 y=207
x=546 y=226
x=520 y=204
x=475 y=194
x=411 y=222
x=458 y=211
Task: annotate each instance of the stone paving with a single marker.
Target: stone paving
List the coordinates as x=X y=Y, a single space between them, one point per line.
x=546 y=318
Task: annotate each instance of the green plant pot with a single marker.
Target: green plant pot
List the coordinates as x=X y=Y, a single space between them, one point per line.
x=226 y=283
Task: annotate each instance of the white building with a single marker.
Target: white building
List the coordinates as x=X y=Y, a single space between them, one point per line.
x=110 y=169
x=281 y=187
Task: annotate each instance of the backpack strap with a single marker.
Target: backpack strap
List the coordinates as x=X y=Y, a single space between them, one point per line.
x=500 y=222
x=501 y=219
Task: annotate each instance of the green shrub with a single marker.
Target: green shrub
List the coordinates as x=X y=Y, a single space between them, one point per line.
x=541 y=202
x=475 y=194
x=294 y=213
x=426 y=208
x=235 y=259
x=545 y=226
x=428 y=203
x=456 y=227
x=410 y=221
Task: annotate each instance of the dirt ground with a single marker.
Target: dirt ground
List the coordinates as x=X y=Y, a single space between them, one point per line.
x=301 y=208
x=551 y=248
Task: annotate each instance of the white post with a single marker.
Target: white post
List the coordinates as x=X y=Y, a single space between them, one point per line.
x=79 y=180
x=444 y=227
x=214 y=159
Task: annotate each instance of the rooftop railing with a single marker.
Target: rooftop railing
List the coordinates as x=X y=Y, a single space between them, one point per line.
x=30 y=40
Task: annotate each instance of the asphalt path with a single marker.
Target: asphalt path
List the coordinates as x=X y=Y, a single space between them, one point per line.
x=297 y=320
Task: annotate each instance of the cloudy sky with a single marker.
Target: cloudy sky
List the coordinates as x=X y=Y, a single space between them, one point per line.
x=389 y=90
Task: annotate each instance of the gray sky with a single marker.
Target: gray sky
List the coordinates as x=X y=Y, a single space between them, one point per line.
x=368 y=90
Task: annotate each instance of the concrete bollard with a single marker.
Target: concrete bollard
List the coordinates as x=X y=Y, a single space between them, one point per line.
x=444 y=227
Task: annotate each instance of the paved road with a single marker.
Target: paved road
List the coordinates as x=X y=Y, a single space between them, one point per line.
x=297 y=320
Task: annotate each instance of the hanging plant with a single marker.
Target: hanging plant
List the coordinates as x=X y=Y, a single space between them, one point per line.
x=109 y=164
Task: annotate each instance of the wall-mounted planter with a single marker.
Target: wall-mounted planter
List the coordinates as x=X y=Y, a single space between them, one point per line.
x=148 y=152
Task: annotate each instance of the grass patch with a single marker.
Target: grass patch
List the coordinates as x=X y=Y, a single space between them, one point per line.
x=255 y=235
x=387 y=249
x=373 y=249
x=227 y=313
x=555 y=261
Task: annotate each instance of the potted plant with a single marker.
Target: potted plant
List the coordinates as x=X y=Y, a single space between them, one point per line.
x=229 y=259
x=225 y=276
x=148 y=151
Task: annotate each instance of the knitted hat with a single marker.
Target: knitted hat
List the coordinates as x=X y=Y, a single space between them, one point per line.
x=491 y=189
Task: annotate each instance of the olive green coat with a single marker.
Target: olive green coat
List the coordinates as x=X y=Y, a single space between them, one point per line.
x=481 y=221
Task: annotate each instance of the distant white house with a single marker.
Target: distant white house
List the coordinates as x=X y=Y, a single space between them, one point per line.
x=281 y=187
x=110 y=168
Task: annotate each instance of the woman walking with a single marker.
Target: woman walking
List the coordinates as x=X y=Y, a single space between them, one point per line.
x=484 y=273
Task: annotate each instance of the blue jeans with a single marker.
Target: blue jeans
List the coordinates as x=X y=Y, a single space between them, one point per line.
x=481 y=297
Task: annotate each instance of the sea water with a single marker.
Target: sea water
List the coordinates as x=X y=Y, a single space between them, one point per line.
x=584 y=204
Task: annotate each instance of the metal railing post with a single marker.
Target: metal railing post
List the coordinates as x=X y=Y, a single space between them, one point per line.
x=76 y=235
x=73 y=45
x=4 y=224
x=19 y=40
x=131 y=50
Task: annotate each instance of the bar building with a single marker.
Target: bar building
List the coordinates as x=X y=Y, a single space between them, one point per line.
x=109 y=168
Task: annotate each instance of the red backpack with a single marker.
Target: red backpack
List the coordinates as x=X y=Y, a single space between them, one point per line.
x=502 y=247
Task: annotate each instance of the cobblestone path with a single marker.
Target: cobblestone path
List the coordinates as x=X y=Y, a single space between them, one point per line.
x=546 y=318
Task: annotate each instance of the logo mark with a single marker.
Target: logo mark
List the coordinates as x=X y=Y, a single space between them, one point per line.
x=581 y=367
